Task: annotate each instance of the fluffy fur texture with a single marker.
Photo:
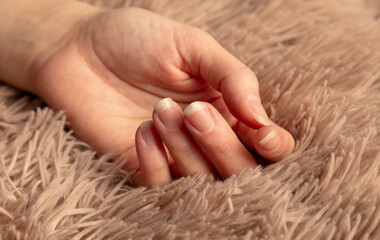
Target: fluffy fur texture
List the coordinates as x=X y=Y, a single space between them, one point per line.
x=318 y=64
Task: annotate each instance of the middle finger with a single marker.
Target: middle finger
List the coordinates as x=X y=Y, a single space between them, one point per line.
x=211 y=131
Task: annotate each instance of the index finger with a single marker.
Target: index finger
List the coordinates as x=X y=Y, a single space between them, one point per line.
x=225 y=73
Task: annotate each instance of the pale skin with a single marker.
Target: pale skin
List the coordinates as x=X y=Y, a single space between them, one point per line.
x=166 y=95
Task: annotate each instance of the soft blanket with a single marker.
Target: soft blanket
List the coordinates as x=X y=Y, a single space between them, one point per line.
x=318 y=64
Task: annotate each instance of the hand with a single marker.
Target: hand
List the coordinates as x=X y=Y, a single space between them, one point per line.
x=199 y=140
x=118 y=63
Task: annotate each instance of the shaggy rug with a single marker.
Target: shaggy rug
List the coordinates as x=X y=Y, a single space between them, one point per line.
x=318 y=64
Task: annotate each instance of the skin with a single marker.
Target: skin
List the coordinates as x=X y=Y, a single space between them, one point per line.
x=109 y=68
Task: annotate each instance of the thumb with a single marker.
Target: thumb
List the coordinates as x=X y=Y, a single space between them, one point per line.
x=225 y=73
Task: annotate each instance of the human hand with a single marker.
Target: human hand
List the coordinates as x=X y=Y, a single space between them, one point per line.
x=117 y=64
x=199 y=140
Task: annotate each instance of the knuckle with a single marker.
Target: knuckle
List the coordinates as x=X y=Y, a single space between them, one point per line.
x=219 y=148
x=201 y=35
x=246 y=71
x=156 y=170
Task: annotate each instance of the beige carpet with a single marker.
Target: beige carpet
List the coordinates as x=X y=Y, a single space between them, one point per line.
x=318 y=63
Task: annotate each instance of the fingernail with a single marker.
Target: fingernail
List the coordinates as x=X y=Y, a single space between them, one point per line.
x=168 y=114
x=258 y=111
x=199 y=116
x=270 y=142
x=147 y=133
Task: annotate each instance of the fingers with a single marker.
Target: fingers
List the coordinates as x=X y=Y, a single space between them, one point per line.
x=200 y=140
x=154 y=168
x=271 y=142
x=216 y=138
x=225 y=73
x=240 y=92
x=189 y=158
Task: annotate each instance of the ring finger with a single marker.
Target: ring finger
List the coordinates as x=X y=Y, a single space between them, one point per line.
x=188 y=157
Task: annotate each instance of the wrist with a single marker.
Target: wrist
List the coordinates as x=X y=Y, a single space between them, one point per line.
x=31 y=31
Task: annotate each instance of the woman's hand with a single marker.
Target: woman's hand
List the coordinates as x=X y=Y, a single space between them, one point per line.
x=200 y=141
x=111 y=67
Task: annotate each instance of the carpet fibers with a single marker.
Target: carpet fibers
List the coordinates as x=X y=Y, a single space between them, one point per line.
x=318 y=64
